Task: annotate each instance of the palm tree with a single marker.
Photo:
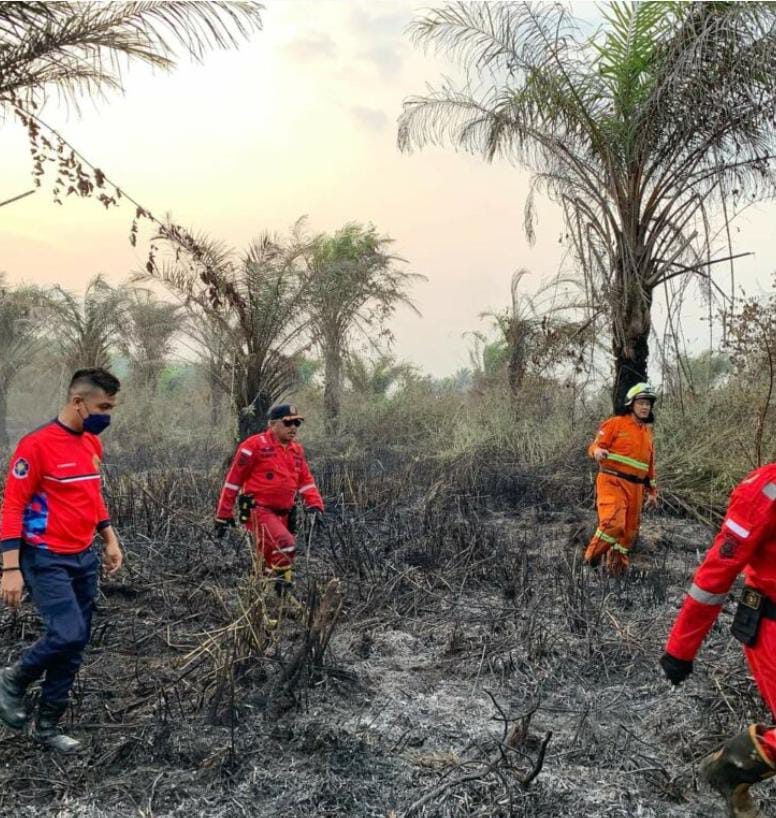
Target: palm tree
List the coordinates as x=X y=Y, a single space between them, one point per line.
x=147 y=338
x=254 y=303
x=21 y=337
x=536 y=333
x=353 y=285
x=80 y=49
x=88 y=328
x=649 y=133
x=374 y=377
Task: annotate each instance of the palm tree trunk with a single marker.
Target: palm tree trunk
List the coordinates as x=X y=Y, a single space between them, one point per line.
x=516 y=339
x=332 y=390
x=630 y=344
x=252 y=419
x=216 y=396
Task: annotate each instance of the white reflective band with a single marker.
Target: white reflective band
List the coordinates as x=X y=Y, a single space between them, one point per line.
x=78 y=479
x=231 y=486
x=737 y=529
x=308 y=487
x=769 y=490
x=246 y=451
x=289 y=550
x=706 y=597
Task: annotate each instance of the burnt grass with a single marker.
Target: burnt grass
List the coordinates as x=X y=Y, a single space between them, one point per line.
x=475 y=668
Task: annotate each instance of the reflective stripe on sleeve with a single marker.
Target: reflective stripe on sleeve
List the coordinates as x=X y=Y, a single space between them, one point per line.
x=769 y=490
x=628 y=461
x=308 y=487
x=737 y=529
x=706 y=597
x=246 y=451
x=621 y=548
x=231 y=486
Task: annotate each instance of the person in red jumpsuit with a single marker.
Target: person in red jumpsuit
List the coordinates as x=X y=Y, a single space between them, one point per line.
x=267 y=472
x=52 y=507
x=746 y=542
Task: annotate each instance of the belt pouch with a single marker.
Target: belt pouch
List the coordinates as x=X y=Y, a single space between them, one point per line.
x=746 y=622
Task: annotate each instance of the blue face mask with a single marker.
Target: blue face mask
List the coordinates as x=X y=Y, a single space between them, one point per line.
x=96 y=423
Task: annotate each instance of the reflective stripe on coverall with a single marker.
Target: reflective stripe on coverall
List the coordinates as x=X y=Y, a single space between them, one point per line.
x=273 y=474
x=746 y=542
x=619 y=501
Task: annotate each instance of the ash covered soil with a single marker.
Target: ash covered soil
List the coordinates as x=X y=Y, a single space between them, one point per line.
x=466 y=638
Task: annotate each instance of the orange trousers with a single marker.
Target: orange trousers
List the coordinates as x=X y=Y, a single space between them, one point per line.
x=619 y=505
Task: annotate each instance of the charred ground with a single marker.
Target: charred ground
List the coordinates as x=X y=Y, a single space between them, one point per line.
x=475 y=668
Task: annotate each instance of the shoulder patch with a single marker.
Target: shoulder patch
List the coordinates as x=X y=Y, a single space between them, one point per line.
x=21 y=468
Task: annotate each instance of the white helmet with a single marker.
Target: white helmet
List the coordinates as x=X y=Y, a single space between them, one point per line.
x=640 y=390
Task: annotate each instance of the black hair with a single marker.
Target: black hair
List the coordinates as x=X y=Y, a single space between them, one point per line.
x=96 y=378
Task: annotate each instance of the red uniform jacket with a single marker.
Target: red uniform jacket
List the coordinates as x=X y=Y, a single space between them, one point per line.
x=53 y=494
x=272 y=473
x=746 y=542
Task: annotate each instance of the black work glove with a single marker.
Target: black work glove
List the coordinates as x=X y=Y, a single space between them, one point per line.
x=220 y=526
x=676 y=670
x=317 y=516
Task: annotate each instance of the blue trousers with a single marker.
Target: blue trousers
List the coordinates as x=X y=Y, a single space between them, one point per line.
x=63 y=589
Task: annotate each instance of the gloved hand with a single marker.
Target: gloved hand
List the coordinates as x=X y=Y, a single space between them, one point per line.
x=676 y=670
x=317 y=516
x=220 y=526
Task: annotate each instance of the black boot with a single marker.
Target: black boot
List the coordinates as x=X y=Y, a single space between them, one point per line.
x=13 y=685
x=46 y=728
x=731 y=770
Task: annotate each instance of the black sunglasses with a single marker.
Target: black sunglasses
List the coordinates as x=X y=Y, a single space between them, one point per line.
x=294 y=422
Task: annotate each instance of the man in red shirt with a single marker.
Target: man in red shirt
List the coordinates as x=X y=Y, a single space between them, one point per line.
x=268 y=470
x=746 y=542
x=51 y=509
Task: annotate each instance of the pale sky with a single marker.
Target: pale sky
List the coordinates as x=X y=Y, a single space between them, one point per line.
x=301 y=120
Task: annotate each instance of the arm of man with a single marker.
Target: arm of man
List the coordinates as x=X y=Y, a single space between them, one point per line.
x=23 y=481
x=599 y=448
x=112 y=556
x=238 y=473
x=747 y=525
x=651 y=480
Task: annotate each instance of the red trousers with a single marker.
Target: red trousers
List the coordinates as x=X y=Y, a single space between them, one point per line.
x=762 y=661
x=274 y=542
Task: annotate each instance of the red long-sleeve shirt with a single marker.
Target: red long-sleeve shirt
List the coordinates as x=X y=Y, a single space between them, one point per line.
x=746 y=542
x=271 y=472
x=53 y=493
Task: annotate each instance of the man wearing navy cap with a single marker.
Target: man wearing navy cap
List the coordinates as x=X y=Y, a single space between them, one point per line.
x=267 y=472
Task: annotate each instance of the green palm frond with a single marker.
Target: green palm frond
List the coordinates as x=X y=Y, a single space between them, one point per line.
x=78 y=48
x=634 y=38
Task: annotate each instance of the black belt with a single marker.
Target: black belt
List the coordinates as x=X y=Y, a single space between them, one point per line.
x=756 y=599
x=631 y=478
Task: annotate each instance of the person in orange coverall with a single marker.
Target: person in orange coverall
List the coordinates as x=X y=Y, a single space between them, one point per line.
x=270 y=468
x=625 y=455
x=746 y=542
